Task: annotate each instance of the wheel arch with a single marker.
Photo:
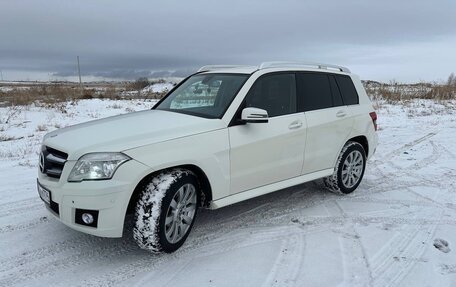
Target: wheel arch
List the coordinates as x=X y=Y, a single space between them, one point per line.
x=362 y=140
x=206 y=189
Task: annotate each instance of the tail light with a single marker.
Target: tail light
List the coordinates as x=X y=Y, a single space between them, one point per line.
x=373 y=116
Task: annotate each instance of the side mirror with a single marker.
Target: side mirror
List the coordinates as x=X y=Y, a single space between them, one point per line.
x=254 y=115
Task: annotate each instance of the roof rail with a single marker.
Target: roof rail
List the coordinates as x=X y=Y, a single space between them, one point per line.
x=219 y=67
x=265 y=65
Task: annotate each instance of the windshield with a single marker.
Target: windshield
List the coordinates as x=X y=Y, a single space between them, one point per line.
x=205 y=95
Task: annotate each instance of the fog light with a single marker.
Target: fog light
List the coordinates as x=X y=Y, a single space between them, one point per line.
x=87 y=218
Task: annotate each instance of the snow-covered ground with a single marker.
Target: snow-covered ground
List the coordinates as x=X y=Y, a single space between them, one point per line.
x=397 y=229
x=156 y=88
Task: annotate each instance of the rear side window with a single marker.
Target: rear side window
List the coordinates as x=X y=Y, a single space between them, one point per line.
x=347 y=89
x=314 y=91
x=275 y=93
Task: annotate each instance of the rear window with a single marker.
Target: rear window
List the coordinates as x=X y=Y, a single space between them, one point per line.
x=347 y=89
x=314 y=91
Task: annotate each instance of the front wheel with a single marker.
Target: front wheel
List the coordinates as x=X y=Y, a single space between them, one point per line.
x=166 y=211
x=349 y=169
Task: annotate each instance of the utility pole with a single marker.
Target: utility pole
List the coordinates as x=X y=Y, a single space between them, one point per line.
x=80 y=82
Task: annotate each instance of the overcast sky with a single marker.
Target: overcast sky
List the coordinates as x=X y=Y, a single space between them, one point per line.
x=380 y=40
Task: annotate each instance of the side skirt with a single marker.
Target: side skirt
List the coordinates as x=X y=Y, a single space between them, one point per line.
x=241 y=196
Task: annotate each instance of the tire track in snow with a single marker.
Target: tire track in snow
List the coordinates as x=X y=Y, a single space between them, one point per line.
x=196 y=246
x=407 y=247
x=242 y=213
x=278 y=212
x=408 y=145
x=81 y=241
x=20 y=207
x=380 y=185
x=27 y=225
x=395 y=263
x=288 y=263
x=357 y=240
x=399 y=171
x=402 y=202
x=55 y=264
x=224 y=243
x=22 y=202
x=436 y=203
x=366 y=220
x=450 y=153
x=388 y=157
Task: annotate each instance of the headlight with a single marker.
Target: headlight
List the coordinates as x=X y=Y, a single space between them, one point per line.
x=100 y=165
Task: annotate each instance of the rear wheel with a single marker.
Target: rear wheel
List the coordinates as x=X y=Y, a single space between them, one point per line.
x=349 y=169
x=166 y=211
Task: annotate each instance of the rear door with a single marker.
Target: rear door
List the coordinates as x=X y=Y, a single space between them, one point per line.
x=329 y=121
x=264 y=153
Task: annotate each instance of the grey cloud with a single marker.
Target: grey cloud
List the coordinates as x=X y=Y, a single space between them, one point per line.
x=125 y=39
x=129 y=74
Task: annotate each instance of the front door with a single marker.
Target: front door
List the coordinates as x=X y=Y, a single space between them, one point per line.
x=264 y=153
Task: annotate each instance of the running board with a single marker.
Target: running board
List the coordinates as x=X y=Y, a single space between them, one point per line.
x=241 y=196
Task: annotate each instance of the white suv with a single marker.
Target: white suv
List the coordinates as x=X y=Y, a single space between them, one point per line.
x=223 y=135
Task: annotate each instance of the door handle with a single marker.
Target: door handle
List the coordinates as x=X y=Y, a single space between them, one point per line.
x=341 y=114
x=295 y=125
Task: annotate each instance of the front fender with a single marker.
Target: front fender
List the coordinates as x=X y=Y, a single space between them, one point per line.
x=209 y=151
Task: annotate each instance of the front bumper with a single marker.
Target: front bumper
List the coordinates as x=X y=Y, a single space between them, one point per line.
x=109 y=198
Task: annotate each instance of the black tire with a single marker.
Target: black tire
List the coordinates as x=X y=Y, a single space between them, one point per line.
x=335 y=182
x=153 y=206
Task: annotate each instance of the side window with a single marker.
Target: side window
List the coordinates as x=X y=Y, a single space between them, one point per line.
x=275 y=93
x=337 y=98
x=314 y=91
x=347 y=89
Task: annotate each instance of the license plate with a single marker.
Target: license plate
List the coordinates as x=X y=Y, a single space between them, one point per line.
x=44 y=194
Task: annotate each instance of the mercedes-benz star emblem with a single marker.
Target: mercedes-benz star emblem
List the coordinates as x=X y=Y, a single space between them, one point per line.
x=42 y=162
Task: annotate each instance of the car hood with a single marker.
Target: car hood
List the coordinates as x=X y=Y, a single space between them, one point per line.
x=123 y=132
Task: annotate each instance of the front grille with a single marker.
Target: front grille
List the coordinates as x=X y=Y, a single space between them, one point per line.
x=52 y=161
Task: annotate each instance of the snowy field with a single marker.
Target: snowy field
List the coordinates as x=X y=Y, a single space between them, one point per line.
x=397 y=229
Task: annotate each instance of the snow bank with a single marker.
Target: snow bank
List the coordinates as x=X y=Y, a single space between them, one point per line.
x=158 y=88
